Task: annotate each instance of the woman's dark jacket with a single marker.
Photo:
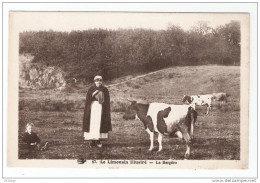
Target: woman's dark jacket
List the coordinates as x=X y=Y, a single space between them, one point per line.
x=105 y=118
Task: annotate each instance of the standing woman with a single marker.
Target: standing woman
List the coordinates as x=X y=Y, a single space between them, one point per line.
x=97 y=118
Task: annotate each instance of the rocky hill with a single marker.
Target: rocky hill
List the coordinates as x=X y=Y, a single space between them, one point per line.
x=37 y=76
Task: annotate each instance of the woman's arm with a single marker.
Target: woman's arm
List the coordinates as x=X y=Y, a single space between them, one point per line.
x=94 y=93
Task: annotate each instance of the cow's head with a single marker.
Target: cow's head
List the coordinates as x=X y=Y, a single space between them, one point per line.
x=186 y=98
x=130 y=112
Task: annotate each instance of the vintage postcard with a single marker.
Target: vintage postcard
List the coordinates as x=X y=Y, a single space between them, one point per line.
x=128 y=90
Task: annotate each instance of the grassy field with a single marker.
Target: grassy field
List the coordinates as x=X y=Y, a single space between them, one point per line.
x=57 y=116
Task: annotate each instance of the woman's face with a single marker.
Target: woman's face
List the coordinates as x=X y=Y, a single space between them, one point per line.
x=98 y=82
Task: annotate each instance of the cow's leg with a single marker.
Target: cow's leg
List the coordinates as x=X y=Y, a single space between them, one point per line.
x=209 y=104
x=151 y=138
x=192 y=127
x=207 y=109
x=188 y=143
x=224 y=101
x=187 y=139
x=187 y=153
x=160 y=141
x=179 y=134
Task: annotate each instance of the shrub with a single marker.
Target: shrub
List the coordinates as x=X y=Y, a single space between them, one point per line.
x=170 y=75
x=47 y=105
x=118 y=106
x=132 y=85
x=227 y=107
x=114 y=53
x=135 y=86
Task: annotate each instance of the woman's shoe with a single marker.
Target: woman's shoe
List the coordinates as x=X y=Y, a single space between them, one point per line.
x=93 y=143
x=99 y=144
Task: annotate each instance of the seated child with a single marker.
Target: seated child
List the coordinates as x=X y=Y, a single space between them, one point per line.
x=31 y=138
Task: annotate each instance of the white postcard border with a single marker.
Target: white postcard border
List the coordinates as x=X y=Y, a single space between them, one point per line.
x=28 y=172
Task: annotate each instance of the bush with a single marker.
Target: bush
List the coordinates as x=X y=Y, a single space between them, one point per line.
x=117 y=106
x=132 y=85
x=114 y=53
x=170 y=75
x=47 y=105
x=227 y=107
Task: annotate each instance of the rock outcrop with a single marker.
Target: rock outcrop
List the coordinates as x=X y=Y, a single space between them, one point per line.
x=37 y=76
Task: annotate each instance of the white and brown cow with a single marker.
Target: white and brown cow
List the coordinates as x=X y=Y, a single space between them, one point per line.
x=200 y=100
x=164 y=119
x=220 y=97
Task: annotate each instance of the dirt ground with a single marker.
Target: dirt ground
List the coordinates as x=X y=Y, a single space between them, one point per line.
x=57 y=116
x=216 y=137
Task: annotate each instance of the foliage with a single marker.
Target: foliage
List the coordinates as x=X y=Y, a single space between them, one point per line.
x=114 y=53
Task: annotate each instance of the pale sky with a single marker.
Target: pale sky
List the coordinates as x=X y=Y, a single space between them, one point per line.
x=68 y=21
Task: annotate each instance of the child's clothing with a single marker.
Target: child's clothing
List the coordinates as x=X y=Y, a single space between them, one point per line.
x=31 y=138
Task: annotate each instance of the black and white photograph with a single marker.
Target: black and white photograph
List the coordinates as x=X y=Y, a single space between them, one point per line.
x=130 y=89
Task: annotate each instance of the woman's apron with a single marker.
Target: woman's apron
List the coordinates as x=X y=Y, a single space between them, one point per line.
x=95 y=122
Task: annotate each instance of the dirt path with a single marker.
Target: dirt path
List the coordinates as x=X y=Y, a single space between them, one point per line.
x=135 y=78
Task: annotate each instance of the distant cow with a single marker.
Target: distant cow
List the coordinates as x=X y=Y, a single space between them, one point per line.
x=164 y=119
x=220 y=97
x=200 y=100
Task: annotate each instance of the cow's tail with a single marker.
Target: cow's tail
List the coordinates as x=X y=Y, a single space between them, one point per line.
x=192 y=118
x=195 y=115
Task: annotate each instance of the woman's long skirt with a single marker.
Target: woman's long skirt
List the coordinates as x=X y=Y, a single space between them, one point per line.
x=95 y=122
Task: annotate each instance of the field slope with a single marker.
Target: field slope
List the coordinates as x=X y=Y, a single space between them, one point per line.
x=57 y=116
